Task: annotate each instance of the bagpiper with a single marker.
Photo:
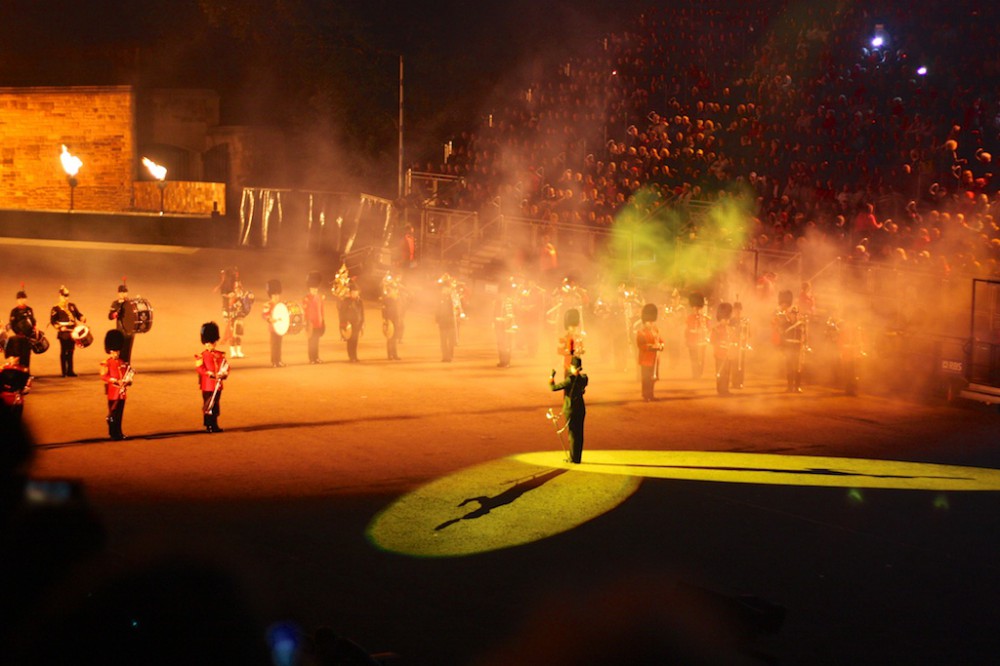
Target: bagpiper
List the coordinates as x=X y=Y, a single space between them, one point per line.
x=213 y=369
x=238 y=309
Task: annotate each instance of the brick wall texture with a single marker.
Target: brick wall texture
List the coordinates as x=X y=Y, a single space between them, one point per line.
x=182 y=197
x=97 y=124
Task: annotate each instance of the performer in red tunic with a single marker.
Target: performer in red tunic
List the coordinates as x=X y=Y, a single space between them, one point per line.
x=117 y=377
x=212 y=368
x=571 y=343
x=15 y=379
x=721 y=344
x=312 y=307
x=650 y=344
x=696 y=334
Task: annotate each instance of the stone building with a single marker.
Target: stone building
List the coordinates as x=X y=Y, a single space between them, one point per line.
x=111 y=128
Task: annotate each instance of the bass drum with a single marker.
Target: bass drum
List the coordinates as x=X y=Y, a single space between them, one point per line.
x=138 y=316
x=286 y=318
x=39 y=343
x=82 y=336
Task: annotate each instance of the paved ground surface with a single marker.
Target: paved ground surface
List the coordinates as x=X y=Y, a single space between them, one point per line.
x=300 y=497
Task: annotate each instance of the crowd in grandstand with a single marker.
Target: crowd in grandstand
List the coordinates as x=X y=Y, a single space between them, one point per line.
x=884 y=147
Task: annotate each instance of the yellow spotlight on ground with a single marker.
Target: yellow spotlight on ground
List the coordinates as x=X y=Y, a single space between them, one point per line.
x=496 y=505
x=721 y=466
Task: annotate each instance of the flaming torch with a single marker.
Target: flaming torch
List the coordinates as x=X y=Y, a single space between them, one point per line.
x=71 y=165
x=160 y=174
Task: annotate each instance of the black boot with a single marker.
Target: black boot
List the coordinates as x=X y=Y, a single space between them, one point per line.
x=115 y=429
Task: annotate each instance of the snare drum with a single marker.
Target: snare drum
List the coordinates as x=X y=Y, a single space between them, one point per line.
x=138 y=316
x=82 y=336
x=39 y=343
x=296 y=318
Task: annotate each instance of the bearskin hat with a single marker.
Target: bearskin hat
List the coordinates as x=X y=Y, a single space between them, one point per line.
x=273 y=287
x=649 y=312
x=785 y=298
x=571 y=318
x=114 y=340
x=696 y=299
x=724 y=311
x=209 y=332
x=314 y=279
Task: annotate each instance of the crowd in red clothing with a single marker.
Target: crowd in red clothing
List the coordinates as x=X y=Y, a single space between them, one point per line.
x=797 y=111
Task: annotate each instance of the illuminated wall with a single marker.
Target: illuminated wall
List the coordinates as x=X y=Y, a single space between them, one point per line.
x=97 y=124
x=184 y=197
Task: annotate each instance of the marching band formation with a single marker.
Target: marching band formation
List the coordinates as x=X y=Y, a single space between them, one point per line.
x=628 y=330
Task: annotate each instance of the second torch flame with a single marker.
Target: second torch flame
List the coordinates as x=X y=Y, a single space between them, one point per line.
x=158 y=172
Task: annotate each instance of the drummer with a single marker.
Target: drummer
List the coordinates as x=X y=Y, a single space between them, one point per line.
x=66 y=317
x=22 y=324
x=15 y=380
x=117 y=313
x=274 y=298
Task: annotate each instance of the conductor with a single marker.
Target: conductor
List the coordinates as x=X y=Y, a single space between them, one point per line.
x=574 y=408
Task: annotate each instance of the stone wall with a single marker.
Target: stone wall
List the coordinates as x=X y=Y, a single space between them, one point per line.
x=97 y=124
x=180 y=197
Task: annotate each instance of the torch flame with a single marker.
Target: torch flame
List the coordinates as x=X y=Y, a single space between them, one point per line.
x=70 y=163
x=158 y=172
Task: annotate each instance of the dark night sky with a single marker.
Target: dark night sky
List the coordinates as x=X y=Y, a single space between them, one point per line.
x=450 y=44
x=314 y=66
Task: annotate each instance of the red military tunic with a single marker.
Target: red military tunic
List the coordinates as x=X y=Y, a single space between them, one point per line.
x=15 y=381
x=210 y=366
x=648 y=342
x=570 y=345
x=720 y=340
x=696 y=330
x=313 y=311
x=112 y=372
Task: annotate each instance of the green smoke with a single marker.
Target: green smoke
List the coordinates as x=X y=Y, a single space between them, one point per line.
x=664 y=243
